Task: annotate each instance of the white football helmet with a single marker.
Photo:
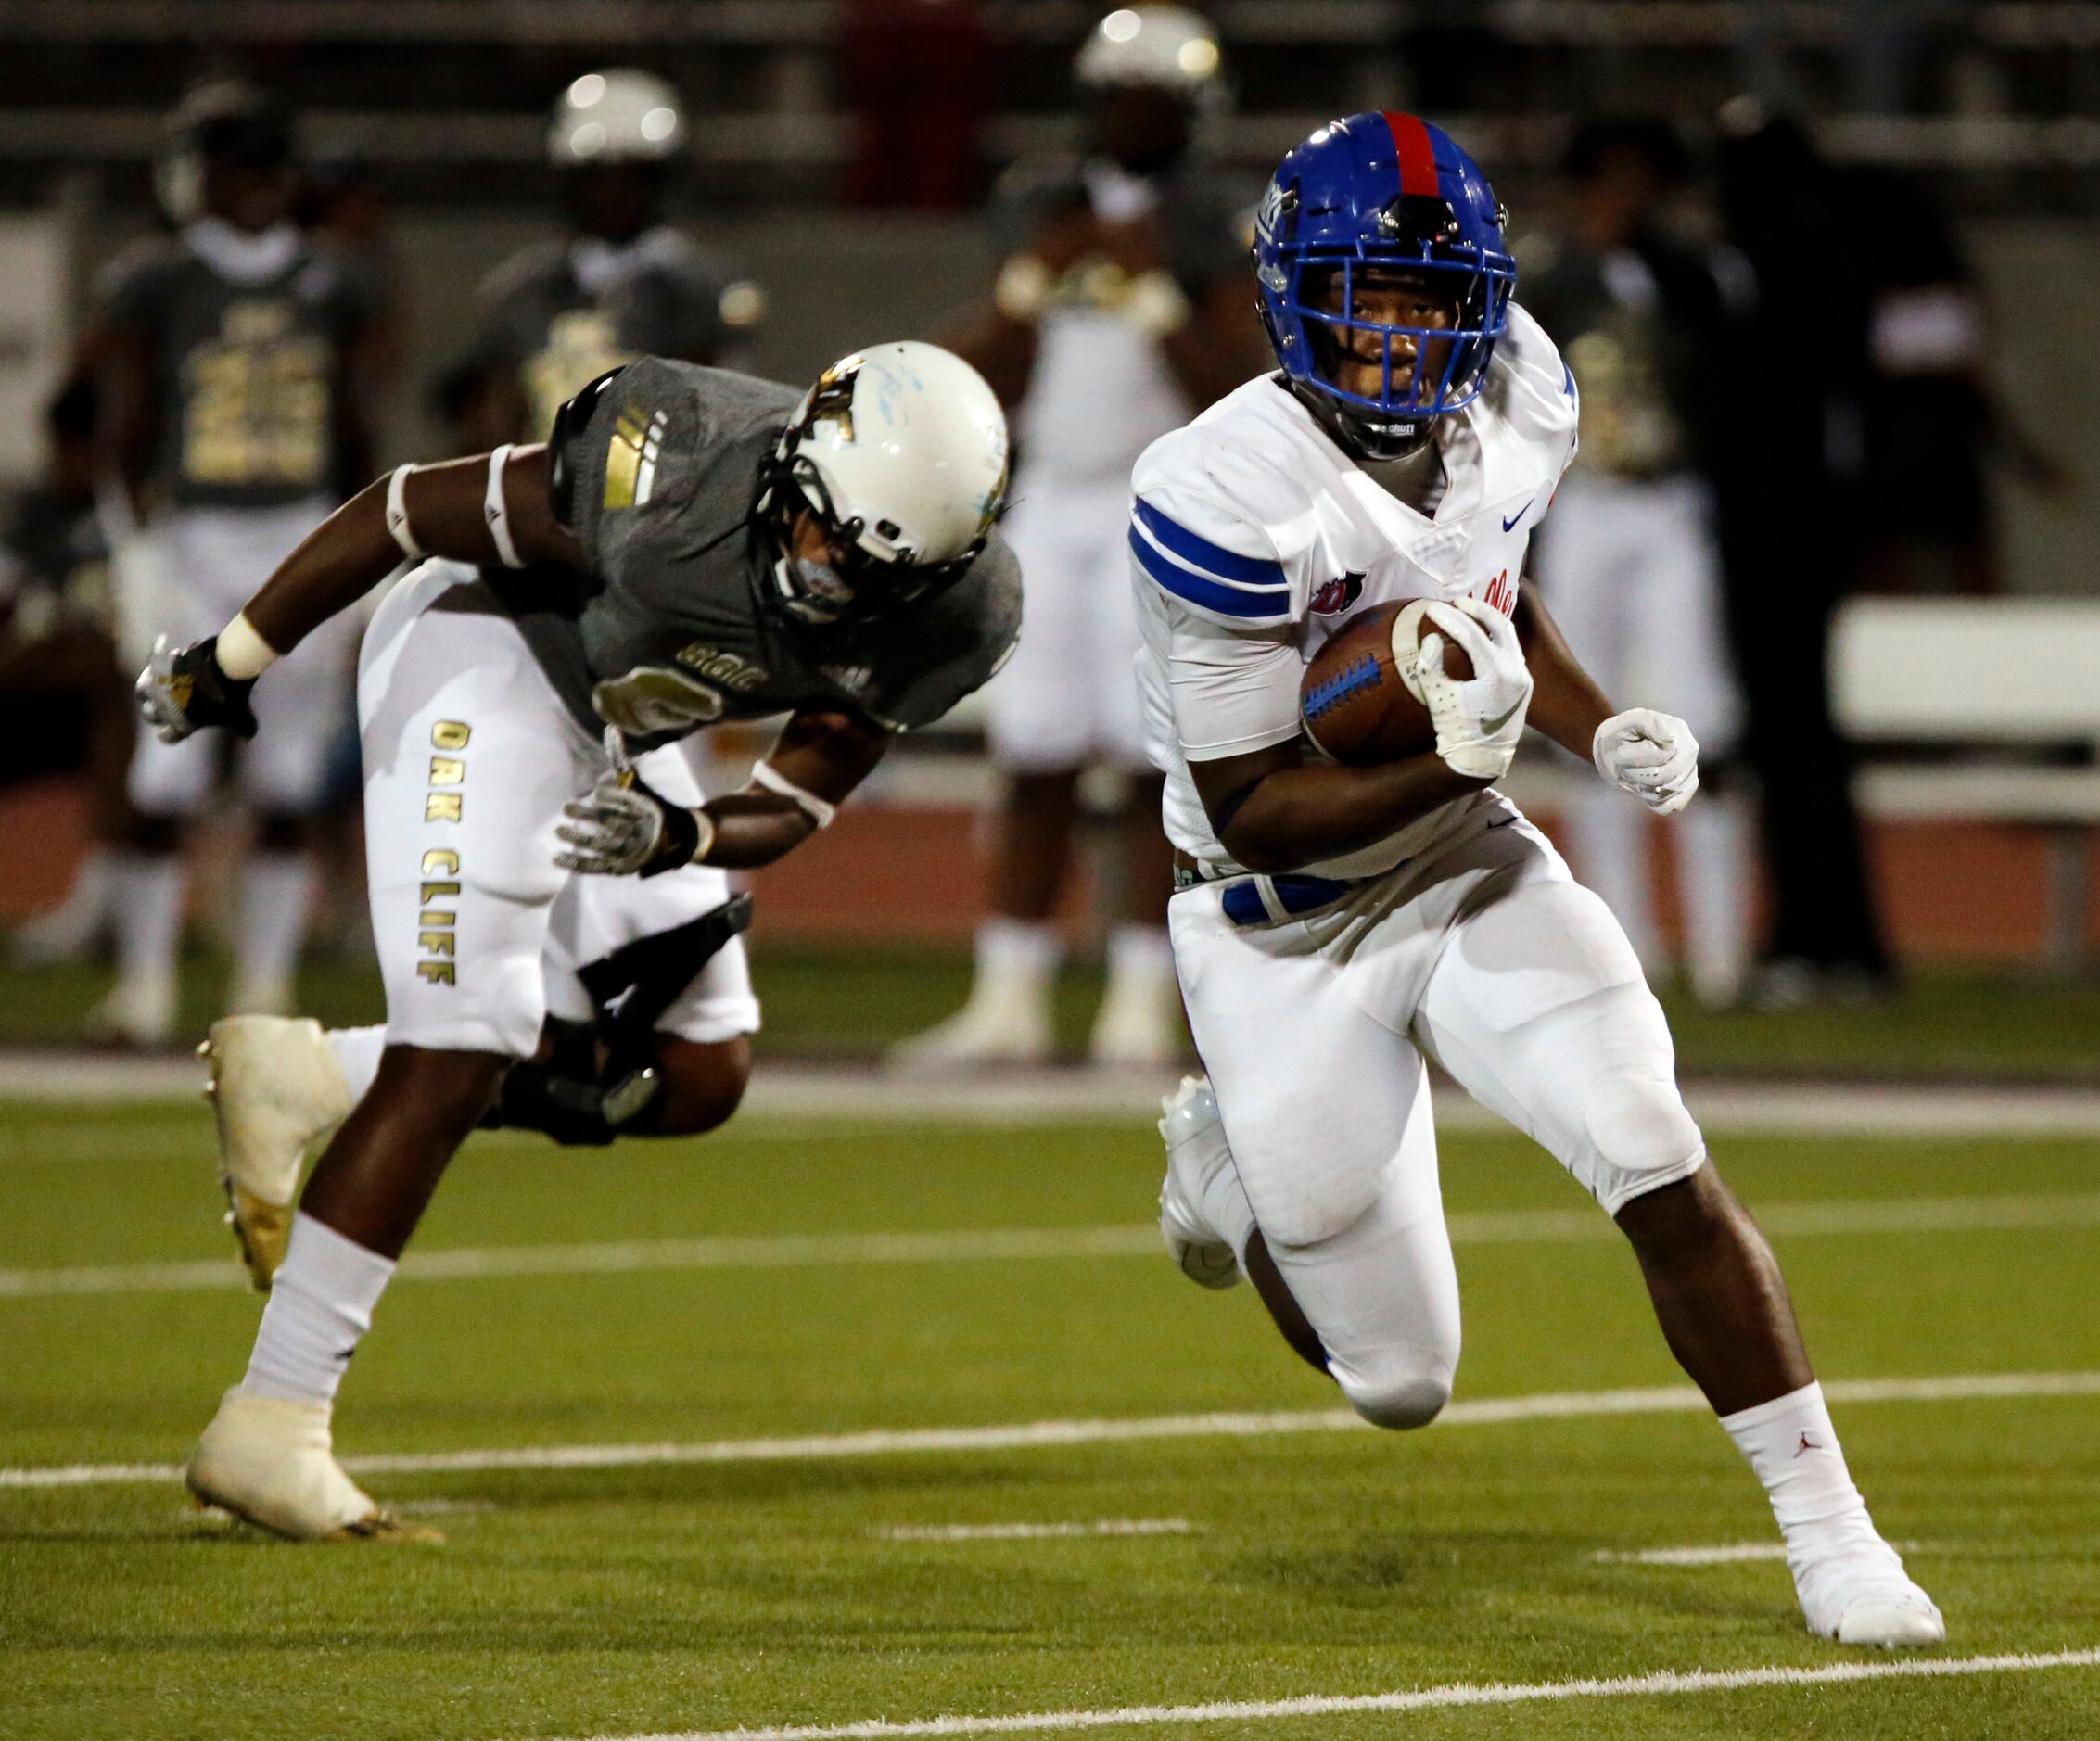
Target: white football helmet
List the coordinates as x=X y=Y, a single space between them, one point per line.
x=899 y=452
x=1169 y=47
x=617 y=115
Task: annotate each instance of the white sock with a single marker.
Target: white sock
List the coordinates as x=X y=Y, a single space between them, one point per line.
x=320 y=1306
x=276 y=889
x=1025 y=953
x=1792 y=1446
x=149 y=918
x=1140 y=957
x=357 y=1052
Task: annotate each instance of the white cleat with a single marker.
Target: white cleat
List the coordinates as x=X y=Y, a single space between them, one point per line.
x=276 y=1088
x=138 y=1012
x=1863 y=1596
x=994 y=1028
x=271 y=1461
x=1196 y=1152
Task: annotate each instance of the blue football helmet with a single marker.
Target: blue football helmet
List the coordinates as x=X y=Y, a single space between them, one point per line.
x=1382 y=192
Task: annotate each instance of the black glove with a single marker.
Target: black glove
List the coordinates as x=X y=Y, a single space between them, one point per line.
x=187 y=691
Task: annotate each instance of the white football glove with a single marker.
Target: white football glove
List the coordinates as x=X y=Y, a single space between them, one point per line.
x=622 y=827
x=1651 y=755
x=1478 y=718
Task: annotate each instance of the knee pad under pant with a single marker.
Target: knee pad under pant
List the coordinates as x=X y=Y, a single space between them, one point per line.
x=1643 y=1136
x=1398 y=1388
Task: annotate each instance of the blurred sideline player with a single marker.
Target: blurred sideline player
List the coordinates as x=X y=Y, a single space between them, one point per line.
x=1629 y=558
x=58 y=642
x=688 y=546
x=234 y=363
x=1337 y=926
x=1120 y=311
x=623 y=283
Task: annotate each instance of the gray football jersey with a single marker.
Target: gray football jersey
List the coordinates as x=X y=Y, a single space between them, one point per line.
x=245 y=372
x=671 y=629
x=666 y=297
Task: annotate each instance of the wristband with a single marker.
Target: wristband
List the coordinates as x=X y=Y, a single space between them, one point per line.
x=1155 y=305
x=397 y=513
x=242 y=653
x=820 y=812
x=1022 y=291
x=495 y=511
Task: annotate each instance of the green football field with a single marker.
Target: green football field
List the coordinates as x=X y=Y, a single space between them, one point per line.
x=817 y=1425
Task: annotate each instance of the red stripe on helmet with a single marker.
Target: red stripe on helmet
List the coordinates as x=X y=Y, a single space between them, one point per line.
x=1416 y=155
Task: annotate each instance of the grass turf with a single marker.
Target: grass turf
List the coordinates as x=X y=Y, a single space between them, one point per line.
x=651 y=1597
x=853 y=1003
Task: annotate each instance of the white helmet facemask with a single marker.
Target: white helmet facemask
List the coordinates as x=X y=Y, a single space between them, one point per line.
x=899 y=455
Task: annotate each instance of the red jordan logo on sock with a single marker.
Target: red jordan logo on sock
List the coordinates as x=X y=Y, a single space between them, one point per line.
x=1806 y=1445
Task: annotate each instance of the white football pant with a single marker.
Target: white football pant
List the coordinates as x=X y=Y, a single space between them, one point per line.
x=1067 y=697
x=1495 y=962
x=195 y=569
x=469 y=756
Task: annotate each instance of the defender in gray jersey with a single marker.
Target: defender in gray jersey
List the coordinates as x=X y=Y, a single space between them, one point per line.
x=623 y=283
x=232 y=353
x=690 y=546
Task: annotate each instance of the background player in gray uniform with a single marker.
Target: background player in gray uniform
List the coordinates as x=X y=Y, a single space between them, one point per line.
x=1120 y=312
x=1628 y=557
x=233 y=360
x=691 y=546
x=623 y=283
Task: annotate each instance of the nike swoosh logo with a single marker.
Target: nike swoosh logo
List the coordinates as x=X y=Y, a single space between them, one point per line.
x=1513 y=520
x=1492 y=726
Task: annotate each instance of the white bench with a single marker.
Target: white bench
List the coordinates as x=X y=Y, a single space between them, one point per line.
x=2013 y=684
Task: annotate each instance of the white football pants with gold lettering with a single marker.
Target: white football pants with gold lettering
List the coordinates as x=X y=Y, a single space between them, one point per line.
x=1489 y=959
x=469 y=756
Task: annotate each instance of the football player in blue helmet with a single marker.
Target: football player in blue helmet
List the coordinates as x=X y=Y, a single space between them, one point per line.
x=1384 y=278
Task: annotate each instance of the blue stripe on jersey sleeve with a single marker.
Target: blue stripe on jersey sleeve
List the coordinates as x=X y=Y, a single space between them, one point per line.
x=1201 y=552
x=1185 y=583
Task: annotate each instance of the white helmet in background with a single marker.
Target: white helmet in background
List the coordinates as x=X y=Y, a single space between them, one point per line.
x=1166 y=46
x=617 y=115
x=899 y=455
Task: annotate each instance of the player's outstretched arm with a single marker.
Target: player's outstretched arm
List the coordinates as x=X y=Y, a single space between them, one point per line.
x=623 y=827
x=1273 y=810
x=490 y=508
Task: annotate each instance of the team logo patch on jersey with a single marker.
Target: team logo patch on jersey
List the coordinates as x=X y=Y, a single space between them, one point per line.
x=1337 y=595
x=630 y=457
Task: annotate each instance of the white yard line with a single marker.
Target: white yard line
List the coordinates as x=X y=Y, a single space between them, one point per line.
x=1043 y=1434
x=1664 y=1682
x=1843 y=1215
x=1027 y=1532
x=1727 y=1554
x=1021 y=1097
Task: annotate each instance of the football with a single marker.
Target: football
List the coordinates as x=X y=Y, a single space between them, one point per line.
x=1355 y=706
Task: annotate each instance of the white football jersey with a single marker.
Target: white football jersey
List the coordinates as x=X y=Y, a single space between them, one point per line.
x=1253 y=538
